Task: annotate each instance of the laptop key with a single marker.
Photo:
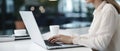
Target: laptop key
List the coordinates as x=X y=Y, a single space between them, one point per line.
x=51 y=44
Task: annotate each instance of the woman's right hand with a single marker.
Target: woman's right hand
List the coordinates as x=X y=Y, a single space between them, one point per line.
x=61 y=38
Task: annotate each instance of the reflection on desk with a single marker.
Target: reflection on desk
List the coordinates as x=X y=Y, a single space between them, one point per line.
x=28 y=45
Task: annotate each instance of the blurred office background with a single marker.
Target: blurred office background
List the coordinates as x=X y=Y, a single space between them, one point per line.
x=66 y=13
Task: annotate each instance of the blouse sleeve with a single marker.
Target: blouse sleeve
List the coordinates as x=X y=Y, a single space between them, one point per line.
x=103 y=36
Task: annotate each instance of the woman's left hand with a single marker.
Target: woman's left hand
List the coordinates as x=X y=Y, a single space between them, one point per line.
x=61 y=38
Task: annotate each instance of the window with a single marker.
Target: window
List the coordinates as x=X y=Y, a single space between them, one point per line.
x=10 y=6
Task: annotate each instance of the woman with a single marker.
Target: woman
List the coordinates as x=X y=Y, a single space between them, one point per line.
x=102 y=30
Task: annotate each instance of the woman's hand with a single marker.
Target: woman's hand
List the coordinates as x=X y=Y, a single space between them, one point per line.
x=61 y=38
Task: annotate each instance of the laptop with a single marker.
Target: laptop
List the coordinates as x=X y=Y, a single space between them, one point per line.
x=35 y=34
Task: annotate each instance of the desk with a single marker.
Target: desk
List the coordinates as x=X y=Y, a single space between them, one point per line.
x=28 y=45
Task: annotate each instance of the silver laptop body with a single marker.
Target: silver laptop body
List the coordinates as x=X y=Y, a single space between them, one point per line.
x=35 y=34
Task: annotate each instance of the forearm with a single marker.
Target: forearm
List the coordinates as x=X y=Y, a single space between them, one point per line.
x=99 y=42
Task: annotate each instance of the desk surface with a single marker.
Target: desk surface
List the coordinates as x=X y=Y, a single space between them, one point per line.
x=28 y=45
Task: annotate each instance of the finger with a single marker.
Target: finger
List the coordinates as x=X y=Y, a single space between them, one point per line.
x=53 y=41
x=57 y=39
x=54 y=37
x=50 y=39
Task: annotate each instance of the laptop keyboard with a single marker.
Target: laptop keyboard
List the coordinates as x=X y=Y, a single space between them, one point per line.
x=51 y=44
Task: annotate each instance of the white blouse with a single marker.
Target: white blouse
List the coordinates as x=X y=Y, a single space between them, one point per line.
x=102 y=30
